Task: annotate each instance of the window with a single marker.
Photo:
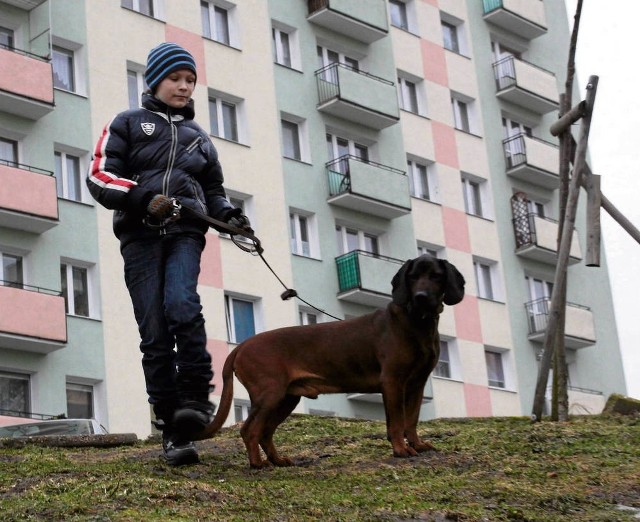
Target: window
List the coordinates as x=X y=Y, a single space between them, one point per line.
x=75 y=289
x=63 y=69
x=14 y=392
x=443 y=368
x=408 y=95
x=217 y=20
x=12 y=270
x=398 y=14
x=79 y=401
x=299 y=235
x=495 y=369
x=224 y=119
x=290 y=140
x=281 y=47
x=472 y=195
x=484 y=279
x=8 y=152
x=536 y=208
x=68 y=176
x=307 y=318
x=339 y=149
x=461 y=119
x=6 y=38
x=241 y=409
x=420 y=179
x=145 y=7
x=327 y=57
x=240 y=317
x=135 y=87
x=350 y=239
x=429 y=250
x=450 y=37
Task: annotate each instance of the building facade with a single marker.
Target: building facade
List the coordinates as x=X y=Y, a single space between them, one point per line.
x=355 y=135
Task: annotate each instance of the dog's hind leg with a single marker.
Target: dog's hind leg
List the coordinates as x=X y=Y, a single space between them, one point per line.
x=286 y=406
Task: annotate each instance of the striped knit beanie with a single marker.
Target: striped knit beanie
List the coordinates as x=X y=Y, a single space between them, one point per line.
x=165 y=59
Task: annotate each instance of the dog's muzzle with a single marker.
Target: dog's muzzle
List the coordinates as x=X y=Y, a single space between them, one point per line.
x=425 y=301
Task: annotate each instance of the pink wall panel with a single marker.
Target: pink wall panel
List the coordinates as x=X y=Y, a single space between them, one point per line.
x=218 y=351
x=32 y=314
x=456 y=229
x=478 y=400
x=29 y=77
x=211 y=265
x=28 y=192
x=445 y=144
x=193 y=43
x=467 y=317
x=434 y=63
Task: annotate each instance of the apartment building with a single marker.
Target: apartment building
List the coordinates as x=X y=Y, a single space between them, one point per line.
x=355 y=135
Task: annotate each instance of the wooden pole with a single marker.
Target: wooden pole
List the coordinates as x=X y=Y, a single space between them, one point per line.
x=564 y=123
x=592 y=184
x=563 y=253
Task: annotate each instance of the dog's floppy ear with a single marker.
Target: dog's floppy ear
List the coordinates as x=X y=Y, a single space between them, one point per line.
x=454 y=289
x=399 y=292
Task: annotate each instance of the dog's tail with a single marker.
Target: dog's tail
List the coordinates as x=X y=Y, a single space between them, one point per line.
x=225 y=401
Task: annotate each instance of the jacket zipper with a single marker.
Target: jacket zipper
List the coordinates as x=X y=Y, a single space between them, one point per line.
x=172 y=158
x=195 y=194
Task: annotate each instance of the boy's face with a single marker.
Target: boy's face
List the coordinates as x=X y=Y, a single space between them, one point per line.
x=176 y=89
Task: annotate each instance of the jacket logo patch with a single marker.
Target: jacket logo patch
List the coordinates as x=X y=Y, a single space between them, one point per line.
x=148 y=128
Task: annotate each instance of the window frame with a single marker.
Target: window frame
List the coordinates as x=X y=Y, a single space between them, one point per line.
x=498 y=356
x=68 y=289
x=417 y=181
x=214 y=8
x=80 y=388
x=486 y=270
x=474 y=195
x=63 y=180
x=344 y=232
x=400 y=9
x=71 y=57
x=461 y=110
x=15 y=147
x=26 y=400
x=230 y=313
x=238 y=134
x=296 y=217
x=141 y=85
x=20 y=271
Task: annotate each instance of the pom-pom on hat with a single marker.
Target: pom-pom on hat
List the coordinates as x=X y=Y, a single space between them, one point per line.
x=165 y=59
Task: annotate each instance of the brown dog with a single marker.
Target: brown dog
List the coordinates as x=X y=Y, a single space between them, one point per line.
x=392 y=351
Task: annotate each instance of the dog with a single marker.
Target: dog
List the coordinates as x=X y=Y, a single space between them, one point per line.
x=390 y=351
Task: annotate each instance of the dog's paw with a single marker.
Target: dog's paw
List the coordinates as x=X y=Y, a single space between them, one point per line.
x=404 y=452
x=422 y=445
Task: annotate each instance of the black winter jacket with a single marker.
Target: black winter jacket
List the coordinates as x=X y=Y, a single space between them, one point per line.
x=156 y=150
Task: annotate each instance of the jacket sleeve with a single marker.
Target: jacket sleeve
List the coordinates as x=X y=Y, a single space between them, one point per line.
x=212 y=185
x=108 y=178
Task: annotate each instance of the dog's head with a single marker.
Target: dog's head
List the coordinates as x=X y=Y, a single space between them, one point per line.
x=424 y=283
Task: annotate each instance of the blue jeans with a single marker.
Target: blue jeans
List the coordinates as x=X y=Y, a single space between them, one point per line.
x=162 y=276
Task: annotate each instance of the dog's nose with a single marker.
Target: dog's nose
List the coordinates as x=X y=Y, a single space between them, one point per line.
x=424 y=299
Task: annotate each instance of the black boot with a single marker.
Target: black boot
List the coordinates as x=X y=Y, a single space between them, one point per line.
x=177 y=451
x=193 y=417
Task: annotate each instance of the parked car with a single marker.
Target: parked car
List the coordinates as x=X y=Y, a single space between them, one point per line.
x=54 y=427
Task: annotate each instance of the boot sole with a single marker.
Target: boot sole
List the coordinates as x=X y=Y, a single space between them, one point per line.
x=187 y=426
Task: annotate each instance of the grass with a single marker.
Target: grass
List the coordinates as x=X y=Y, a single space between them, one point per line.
x=495 y=469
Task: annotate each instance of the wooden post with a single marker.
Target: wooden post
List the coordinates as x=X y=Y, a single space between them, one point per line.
x=592 y=184
x=563 y=253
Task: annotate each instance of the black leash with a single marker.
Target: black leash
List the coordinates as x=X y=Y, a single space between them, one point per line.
x=256 y=249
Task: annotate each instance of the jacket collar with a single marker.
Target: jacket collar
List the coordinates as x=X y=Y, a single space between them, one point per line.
x=150 y=102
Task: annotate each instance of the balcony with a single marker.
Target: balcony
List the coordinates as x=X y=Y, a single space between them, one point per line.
x=28 y=200
x=32 y=319
x=579 y=328
x=526 y=85
x=365 y=278
x=532 y=160
x=368 y=187
x=536 y=237
x=357 y=96
x=525 y=18
x=364 y=20
x=28 y=90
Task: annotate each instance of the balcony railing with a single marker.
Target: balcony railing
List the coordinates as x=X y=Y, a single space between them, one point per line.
x=526 y=85
x=365 y=278
x=29 y=199
x=33 y=319
x=579 y=330
x=368 y=187
x=364 y=20
x=532 y=160
x=536 y=237
x=357 y=96
x=526 y=18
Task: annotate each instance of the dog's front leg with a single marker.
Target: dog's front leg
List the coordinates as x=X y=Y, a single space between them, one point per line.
x=393 y=396
x=413 y=401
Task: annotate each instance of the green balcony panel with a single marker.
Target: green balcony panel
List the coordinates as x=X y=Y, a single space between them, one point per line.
x=362 y=20
x=526 y=18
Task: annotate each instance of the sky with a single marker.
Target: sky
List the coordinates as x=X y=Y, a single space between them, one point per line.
x=607 y=49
